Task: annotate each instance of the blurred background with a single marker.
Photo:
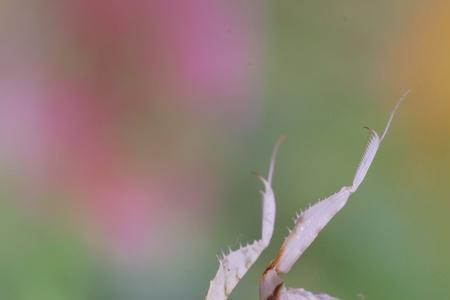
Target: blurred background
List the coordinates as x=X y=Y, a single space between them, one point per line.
x=129 y=131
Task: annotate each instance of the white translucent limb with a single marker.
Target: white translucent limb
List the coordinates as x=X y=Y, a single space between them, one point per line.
x=403 y=97
x=309 y=224
x=234 y=265
x=372 y=147
x=269 y=205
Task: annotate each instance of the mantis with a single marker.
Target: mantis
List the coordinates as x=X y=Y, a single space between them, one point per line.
x=308 y=224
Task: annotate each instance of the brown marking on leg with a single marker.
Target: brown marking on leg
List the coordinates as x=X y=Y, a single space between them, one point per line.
x=274 y=263
x=276 y=293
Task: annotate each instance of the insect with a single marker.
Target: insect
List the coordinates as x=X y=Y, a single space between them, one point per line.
x=307 y=226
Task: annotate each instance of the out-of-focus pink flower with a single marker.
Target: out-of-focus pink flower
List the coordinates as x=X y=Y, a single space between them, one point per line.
x=24 y=139
x=212 y=45
x=198 y=51
x=42 y=122
x=132 y=216
x=122 y=215
x=112 y=123
x=60 y=136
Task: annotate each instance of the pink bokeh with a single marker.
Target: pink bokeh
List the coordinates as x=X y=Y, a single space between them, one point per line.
x=77 y=123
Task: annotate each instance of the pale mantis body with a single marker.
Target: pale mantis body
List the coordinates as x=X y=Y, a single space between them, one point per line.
x=308 y=224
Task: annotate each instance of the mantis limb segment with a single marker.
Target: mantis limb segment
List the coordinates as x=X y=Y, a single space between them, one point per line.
x=307 y=226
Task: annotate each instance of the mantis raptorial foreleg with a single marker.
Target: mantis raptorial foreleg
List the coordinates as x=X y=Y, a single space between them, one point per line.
x=234 y=265
x=308 y=224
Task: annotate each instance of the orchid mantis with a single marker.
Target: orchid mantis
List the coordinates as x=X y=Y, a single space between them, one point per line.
x=307 y=225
